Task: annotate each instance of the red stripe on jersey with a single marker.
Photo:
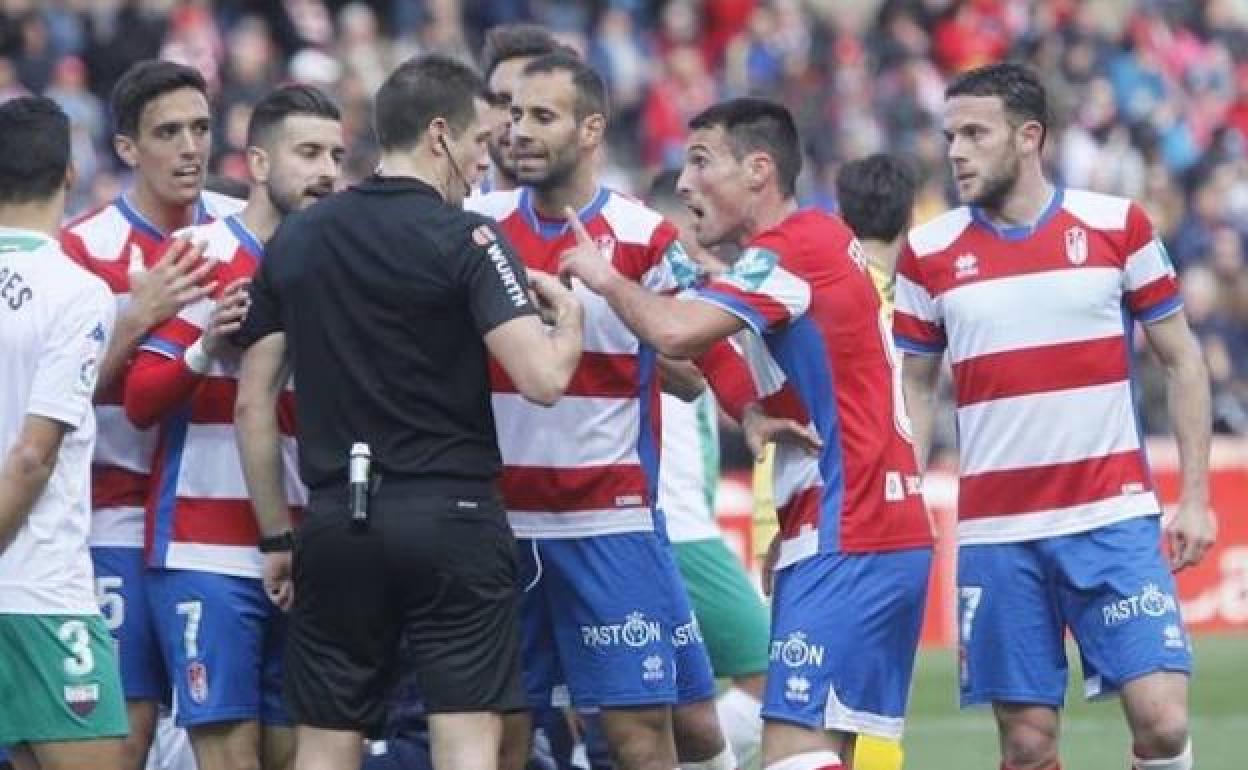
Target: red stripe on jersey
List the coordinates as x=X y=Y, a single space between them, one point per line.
x=772 y=310
x=1152 y=294
x=115 y=487
x=214 y=522
x=604 y=375
x=1043 y=369
x=529 y=488
x=213 y=402
x=179 y=331
x=801 y=511
x=1048 y=487
x=923 y=332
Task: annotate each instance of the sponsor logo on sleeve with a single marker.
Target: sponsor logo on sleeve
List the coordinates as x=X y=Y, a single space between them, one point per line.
x=753 y=268
x=485 y=237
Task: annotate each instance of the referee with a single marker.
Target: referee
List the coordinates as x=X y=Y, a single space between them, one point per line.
x=386 y=301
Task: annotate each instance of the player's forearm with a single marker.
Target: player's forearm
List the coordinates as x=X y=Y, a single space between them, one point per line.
x=23 y=478
x=681 y=379
x=729 y=377
x=566 y=343
x=654 y=318
x=156 y=386
x=1188 y=397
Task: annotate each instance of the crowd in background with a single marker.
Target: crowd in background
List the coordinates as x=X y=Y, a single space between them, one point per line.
x=1150 y=99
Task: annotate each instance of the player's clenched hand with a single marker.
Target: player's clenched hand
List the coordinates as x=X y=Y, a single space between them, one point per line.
x=227 y=318
x=278 y=579
x=557 y=304
x=585 y=260
x=1189 y=534
x=761 y=429
x=179 y=278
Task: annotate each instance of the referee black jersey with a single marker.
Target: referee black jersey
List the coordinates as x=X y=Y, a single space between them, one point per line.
x=384 y=292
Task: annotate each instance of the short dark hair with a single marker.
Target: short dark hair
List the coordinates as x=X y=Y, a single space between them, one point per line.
x=1018 y=87
x=663 y=191
x=281 y=103
x=758 y=125
x=145 y=82
x=876 y=195
x=591 y=89
x=514 y=41
x=421 y=89
x=35 y=133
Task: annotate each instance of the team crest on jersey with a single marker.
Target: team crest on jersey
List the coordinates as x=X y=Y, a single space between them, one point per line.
x=197 y=681
x=82 y=698
x=1077 y=245
x=966 y=266
x=606 y=246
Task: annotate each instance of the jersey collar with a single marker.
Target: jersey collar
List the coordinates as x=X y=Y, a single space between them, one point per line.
x=1020 y=232
x=143 y=225
x=245 y=237
x=550 y=230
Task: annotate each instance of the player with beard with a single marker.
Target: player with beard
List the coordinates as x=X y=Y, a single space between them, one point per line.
x=1035 y=290
x=163 y=134
x=606 y=618
x=220 y=635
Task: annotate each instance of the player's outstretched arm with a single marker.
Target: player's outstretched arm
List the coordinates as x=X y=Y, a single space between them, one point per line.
x=674 y=327
x=1191 y=531
x=26 y=470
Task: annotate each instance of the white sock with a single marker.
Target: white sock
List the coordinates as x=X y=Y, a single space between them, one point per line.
x=740 y=719
x=1183 y=761
x=724 y=760
x=809 y=760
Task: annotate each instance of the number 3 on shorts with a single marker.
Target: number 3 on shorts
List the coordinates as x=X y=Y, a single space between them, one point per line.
x=194 y=612
x=74 y=634
x=970 y=597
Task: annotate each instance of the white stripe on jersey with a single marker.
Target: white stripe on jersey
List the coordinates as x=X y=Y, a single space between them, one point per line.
x=1019 y=527
x=1019 y=432
x=1062 y=306
x=608 y=521
x=607 y=432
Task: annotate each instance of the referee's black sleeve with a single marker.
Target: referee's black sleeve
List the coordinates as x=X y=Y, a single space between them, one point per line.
x=264 y=316
x=492 y=275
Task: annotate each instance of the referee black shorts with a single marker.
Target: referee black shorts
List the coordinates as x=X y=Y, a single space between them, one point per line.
x=434 y=567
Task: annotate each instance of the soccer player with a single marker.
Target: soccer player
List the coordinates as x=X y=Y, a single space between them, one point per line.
x=731 y=615
x=1035 y=291
x=163 y=134
x=507 y=51
x=850 y=563
x=604 y=600
x=220 y=635
x=63 y=705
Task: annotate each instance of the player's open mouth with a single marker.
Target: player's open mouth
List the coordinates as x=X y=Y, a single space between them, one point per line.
x=697 y=211
x=188 y=172
x=318 y=192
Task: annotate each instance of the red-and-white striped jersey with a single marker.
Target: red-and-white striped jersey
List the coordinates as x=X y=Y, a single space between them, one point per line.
x=106 y=241
x=589 y=464
x=199 y=515
x=820 y=355
x=1038 y=326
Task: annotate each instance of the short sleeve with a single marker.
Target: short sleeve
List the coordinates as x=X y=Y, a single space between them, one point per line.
x=917 y=324
x=759 y=289
x=264 y=315
x=1148 y=279
x=669 y=267
x=492 y=276
x=69 y=363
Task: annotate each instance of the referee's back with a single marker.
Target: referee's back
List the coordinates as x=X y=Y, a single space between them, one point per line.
x=384 y=296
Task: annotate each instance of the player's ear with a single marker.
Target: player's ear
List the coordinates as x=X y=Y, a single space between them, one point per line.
x=758 y=169
x=127 y=149
x=1031 y=136
x=437 y=135
x=259 y=164
x=71 y=176
x=593 y=130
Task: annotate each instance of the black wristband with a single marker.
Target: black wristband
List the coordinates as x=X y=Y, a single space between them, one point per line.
x=277 y=543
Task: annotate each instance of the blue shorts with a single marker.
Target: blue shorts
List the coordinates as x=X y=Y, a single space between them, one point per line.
x=844 y=632
x=695 y=680
x=1110 y=586
x=222 y=638
x=122 y=592
x=598 y=617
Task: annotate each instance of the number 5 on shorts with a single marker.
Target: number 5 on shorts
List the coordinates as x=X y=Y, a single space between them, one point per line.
x=111 y=600
x=194 y=612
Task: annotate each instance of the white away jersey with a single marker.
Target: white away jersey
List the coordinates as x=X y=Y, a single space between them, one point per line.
x=55 y=320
